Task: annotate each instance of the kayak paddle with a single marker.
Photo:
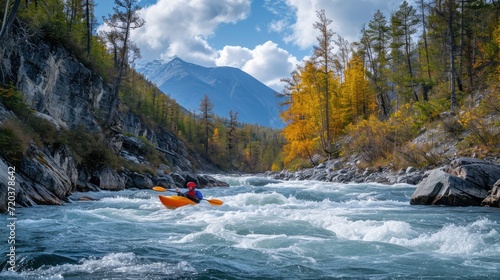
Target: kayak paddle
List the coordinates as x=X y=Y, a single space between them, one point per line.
x=212 y=201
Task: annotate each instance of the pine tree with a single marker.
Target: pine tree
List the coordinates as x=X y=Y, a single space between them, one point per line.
x=8 y=18
x=426 y=82
x=403 y=26
x=232 y=131
x=342 y=56
x=206 y=121
x=375 y=41
x=125 y=19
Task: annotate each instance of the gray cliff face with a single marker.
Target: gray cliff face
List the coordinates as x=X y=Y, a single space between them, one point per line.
x=55 y=84
x=64 y=92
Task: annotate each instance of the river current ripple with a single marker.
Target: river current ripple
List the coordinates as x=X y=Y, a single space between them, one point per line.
x=266 y=229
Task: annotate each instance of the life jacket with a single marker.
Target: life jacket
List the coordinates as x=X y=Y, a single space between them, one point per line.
x=194 y=195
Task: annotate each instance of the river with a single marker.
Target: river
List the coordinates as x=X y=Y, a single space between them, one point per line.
x=266 y=229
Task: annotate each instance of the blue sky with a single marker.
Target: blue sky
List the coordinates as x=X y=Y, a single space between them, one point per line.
x=265 y=38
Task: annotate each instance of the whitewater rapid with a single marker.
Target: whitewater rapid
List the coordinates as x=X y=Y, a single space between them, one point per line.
x=266 y=229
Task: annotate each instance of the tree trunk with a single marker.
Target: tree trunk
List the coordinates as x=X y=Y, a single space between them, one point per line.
x=89 y=27
x=426 y=88
x=453 y=94
x=8 y=20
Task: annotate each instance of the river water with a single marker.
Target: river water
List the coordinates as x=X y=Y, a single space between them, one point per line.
x=266 y=229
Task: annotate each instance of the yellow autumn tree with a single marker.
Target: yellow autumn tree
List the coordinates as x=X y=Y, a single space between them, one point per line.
x=325 y=119
x=302 y=117
x=357 y=101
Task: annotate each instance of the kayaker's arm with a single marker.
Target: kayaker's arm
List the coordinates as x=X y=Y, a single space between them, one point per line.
x=179 y=192
x=193 y=198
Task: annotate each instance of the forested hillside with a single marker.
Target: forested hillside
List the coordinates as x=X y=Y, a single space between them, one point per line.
x=423 y=77
x=226 y=143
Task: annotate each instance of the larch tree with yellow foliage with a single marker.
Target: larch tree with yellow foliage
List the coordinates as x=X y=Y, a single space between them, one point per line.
x=313 y=119
x=357 y=97
x=302 y=116
x=326 y=85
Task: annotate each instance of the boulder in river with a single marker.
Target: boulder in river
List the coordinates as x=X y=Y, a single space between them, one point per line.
x=466 y=182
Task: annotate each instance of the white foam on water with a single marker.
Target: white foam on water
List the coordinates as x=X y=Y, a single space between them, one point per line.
x=245 y=180
x=288 y=222
x=122 y=263
x=262 y=210
x=473 y=239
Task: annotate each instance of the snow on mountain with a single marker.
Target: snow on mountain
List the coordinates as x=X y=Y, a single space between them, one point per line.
x=228 y=88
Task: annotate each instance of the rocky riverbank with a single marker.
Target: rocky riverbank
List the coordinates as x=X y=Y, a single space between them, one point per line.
x=464 y=182
x=338 y=171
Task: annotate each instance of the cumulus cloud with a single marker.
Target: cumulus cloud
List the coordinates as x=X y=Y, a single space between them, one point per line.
x=234 y=56
x=348 y=18
x=182 y=27
x=270 y=63
x=266 y=62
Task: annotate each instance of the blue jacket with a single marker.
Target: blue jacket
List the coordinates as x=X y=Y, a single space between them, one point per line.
x=194 y=195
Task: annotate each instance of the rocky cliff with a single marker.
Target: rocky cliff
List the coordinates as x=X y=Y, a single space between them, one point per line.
x=62 y=91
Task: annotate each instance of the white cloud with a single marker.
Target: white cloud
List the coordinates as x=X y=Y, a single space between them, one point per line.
x=234 y=56
x=181 y=27
x=267 y=62
x=278 y=25
x=348 y=18
x=303 y=34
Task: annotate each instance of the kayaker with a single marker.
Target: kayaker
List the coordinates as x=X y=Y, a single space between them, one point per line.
x=192 y=193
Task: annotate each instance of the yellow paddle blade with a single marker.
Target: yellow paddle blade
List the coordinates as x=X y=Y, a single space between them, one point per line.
x=215 y=202
x=159 y=189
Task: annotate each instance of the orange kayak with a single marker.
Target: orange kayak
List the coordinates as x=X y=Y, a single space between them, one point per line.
x=173 y=202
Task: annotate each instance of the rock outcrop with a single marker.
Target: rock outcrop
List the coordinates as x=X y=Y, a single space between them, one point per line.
x=493 y=198
x=466 y=182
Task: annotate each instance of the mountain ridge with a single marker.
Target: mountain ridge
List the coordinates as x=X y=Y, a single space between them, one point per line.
x=228 y=88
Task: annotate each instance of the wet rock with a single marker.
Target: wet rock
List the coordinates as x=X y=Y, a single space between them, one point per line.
x=441 y=188
x=108 y=179
x=493 y=198
x=163 y=181
x=466 y=182
x=136 y=180
x=42 y=170
x=207 y=181
x=84 y=186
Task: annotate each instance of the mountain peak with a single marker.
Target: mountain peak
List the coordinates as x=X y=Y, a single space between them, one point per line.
x=176 y=59
x=228 y=88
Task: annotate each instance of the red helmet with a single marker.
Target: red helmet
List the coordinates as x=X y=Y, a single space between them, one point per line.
x=191 y=184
